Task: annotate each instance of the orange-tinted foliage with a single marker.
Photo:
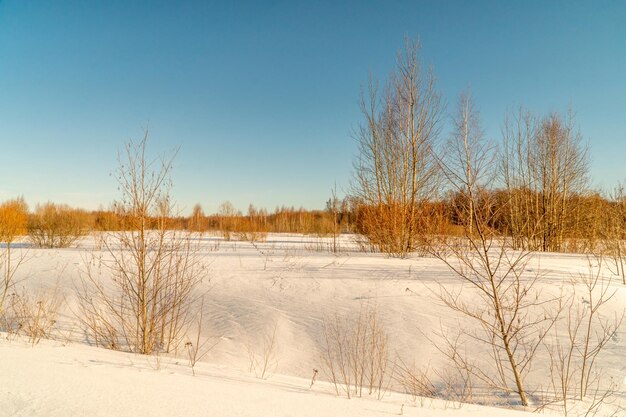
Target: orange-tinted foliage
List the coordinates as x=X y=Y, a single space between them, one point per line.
x=13 y=220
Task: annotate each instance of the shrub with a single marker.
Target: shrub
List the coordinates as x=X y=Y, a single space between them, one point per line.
x=33 y=315
x=57 y=226
x=138 y=295
x=13 y=218
x=356 y=354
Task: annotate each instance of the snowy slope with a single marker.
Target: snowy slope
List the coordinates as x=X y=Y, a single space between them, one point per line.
x=291 y=283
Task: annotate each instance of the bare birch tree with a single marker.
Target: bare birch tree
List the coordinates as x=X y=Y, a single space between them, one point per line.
x=395 y=171
x=544 y=163
x=466 y=159
x=197 y=220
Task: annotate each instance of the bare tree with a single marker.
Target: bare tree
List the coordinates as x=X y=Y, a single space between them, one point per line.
x=544 y=163
x=137 y=294
x=467 y=159
x=509 y=309
x=615 y=231
x=395 y=171
x=333 y=206
x=197 y=221
x=227 y=218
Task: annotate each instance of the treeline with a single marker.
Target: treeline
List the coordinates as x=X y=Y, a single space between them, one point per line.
x=53 y=225
x=585 y=222
x=591 y=220
x=338 y=217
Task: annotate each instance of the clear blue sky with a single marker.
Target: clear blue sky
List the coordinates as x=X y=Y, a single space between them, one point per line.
x=261 y=97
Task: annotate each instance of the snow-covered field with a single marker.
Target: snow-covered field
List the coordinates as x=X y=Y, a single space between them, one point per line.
x=54 y=380
x=289 y=283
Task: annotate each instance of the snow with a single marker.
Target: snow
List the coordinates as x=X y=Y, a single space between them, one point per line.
x=291 y=283
x=54 y=380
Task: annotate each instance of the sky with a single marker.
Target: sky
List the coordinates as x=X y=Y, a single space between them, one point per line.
x=261 y=98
